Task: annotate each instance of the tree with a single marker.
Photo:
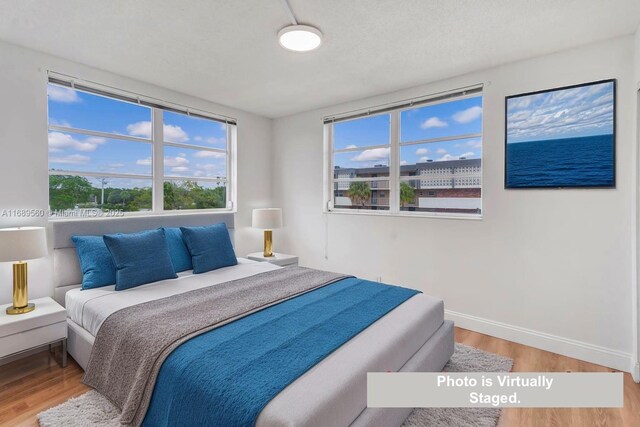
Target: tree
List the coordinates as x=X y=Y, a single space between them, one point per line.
x=407 y=194
x=65 y=192
x=359 y=193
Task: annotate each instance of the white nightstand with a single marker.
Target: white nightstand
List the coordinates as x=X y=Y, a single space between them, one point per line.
x=283 y=260
x=47 y=324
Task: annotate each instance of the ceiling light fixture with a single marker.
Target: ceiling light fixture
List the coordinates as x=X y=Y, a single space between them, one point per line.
x=296 y=37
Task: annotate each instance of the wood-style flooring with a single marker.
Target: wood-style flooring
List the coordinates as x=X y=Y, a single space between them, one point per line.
x=35 y=383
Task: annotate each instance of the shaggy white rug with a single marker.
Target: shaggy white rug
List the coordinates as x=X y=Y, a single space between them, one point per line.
x=465 y=359
x=92 y=409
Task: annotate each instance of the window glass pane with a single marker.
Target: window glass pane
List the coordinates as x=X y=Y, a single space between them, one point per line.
x=361 y=132
x=367 y=163
x=459 y=117
x=185 y=162
x=192 y=194
x=81 y=110
x=76 y=152
x=452 y=186
x=74 y=193
x=194 y=130
x=372 y=195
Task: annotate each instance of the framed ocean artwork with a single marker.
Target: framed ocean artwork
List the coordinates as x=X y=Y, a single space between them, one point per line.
x=562 y=138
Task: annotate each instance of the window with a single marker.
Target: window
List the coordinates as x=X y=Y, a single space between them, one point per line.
x=103 y=148
x=420 y=158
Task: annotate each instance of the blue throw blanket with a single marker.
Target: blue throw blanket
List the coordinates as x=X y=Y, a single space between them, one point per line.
x=225 y=377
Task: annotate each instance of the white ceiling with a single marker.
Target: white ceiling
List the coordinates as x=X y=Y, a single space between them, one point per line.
x=227 y=52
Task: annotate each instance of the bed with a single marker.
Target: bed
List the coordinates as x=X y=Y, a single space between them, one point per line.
x=412 y=337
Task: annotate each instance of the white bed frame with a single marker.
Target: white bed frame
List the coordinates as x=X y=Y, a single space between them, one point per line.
x=66 y=267
x=432 y=356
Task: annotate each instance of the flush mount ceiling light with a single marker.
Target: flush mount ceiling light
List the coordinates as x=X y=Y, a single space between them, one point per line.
x=296 y=37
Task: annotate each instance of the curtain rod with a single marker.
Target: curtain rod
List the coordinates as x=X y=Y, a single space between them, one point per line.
x=133 y=97
x=405 y=103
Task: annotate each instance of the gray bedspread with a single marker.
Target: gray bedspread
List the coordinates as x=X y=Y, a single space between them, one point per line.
x=132 y=343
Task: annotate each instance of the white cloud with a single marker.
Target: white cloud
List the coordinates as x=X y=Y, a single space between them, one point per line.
x=447 y=157
x=74 y=159
x=423 y=159
x=433 y=122
x=144 y=162
x=441 y=151
x=372 y=154
x=55 y=122
x=62 y=94
x=468 y=115
x=422 y=151
x=144 y=130
x=173 y=162
x=197 y=138
x=174 y=134
x=209 y=154
x=179 y=169
x=59 y=141
x=468 y=154
x=351 y=146
x=116 y=165
x=403 y=162
x=141 y=129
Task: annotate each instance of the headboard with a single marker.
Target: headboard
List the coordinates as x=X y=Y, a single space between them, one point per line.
x=66 y=267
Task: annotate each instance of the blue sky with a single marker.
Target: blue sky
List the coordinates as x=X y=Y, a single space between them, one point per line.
x=433 y=121
x=568 y=113
x=74 y=151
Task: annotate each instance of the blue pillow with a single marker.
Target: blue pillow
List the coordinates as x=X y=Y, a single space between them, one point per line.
x=210 y=247
x=180 y=256
x=95 y=261
x=140 y=258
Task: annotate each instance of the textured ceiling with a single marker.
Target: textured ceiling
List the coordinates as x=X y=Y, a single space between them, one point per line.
x=227 y=52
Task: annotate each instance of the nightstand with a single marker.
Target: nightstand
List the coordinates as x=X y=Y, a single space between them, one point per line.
x=283 y=260
x=47 y=324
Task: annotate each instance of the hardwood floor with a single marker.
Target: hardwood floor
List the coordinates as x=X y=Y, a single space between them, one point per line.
x=37 y=382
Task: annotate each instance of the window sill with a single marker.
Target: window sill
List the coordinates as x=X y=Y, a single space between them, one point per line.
x=473 y=217
x=144 y=214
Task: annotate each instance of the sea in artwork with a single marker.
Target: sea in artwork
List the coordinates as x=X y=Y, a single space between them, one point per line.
x=571 y=162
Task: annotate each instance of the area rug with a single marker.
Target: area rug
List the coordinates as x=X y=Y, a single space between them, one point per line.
x=464 y=359
x=91 y=409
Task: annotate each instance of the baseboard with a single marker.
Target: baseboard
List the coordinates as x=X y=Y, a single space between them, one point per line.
x=555 y=344
x=636 y=372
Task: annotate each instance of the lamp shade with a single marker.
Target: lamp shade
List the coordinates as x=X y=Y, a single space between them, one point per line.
x=22 y=243
x=267 y=219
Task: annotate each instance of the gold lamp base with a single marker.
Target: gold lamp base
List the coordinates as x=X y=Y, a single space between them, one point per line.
x=21 y=304
x=21 y=310
x=268 y=243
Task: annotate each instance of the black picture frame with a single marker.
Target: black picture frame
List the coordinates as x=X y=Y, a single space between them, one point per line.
x=569 y=186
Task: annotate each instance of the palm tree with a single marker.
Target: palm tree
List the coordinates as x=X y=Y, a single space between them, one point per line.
x=407 y=194
x=359 y=192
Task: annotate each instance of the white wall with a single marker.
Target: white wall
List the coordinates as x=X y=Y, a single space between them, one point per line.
x=551 y=268
x=23 y=149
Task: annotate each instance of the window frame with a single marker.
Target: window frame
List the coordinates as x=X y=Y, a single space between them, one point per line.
x=395 y=144
x=157 y=142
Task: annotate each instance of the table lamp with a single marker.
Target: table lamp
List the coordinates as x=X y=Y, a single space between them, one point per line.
x=267 y=219
x=20 y=244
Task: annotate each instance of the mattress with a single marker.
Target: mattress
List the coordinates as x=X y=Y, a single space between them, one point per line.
x=90 y=307
x=333 y=392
